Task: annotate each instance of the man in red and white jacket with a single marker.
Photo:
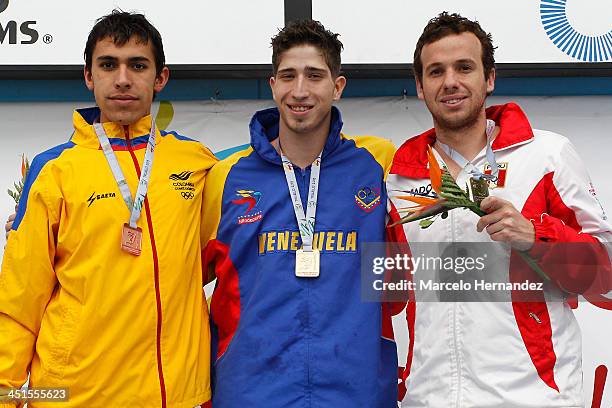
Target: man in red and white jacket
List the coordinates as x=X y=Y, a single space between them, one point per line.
x=495 y=354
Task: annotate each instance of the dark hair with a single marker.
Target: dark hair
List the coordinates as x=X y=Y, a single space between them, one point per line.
x=308 y=32
x=445 y=24
x=121 y=26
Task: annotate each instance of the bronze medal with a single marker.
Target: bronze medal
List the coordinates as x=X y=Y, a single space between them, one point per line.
x=131 y=239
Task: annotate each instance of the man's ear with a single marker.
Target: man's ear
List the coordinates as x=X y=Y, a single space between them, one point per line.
x=419 y=88
x=88 y=79
x=272 y=83
x=161 y=79
x=339 y=85
x=491 y=82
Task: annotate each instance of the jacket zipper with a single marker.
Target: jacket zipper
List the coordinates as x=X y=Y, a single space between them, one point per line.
x=306 y=185
x=455 y=341
x=535 y=317
x=160 y=370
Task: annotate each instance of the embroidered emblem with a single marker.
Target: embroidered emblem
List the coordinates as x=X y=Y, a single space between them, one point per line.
x=368 y=198
x=501 y=176
x=181 y=183
x=251 y=198
x=93 y=197
x=184 y=175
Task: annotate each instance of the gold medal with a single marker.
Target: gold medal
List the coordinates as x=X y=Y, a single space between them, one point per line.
x=307 y=263
x=131 y=239
x=479 y=189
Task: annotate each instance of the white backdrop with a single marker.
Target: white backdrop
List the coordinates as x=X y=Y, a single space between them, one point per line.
x=194 y=32
x=369 y=26
x=31 y=128
x=239 y=31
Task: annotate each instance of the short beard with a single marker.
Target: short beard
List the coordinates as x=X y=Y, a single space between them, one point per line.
x=301 y=127
x=455 y=125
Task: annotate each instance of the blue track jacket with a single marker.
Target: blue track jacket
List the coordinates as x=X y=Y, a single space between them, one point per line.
x=283 y=341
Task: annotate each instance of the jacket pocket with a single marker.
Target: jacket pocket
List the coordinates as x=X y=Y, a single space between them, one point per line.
x=58 y=332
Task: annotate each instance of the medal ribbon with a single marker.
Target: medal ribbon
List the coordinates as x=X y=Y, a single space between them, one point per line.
x=306 y=222
x=133 y=205
x=469 y=167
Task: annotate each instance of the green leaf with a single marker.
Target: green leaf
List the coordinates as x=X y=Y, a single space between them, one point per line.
x=426 y=223
x=453 y=196
x=14 y=196
x=451 y=205
x=457 y=191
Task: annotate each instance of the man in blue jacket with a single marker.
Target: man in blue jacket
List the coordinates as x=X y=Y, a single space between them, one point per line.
x=285 y=221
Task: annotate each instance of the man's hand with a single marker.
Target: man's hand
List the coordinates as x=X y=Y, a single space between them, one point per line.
x=9 y=222
x=504 y=223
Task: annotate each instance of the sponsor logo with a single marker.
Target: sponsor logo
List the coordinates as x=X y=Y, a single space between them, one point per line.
x=368 y=198
x=19 y=32
x=182 y=185
x=94 y=197
x=252 y=213
x=578 y=45
x=501 y=176
x=324 y=241
x=422 y=191
x=184 y=175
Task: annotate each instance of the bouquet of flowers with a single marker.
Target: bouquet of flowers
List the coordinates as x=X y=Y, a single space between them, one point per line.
x=449 y=197
x=25 y=167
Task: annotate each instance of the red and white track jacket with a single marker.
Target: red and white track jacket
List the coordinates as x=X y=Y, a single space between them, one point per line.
x=504 y=354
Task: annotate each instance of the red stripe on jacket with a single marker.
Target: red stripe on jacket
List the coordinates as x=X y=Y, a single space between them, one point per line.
x=225 y=303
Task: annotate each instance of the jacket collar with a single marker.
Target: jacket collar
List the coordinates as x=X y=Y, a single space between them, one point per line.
x=264 y=128
x=411 y=158
x=85 y=134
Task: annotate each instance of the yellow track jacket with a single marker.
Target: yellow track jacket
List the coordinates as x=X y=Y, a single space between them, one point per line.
x=76 y=311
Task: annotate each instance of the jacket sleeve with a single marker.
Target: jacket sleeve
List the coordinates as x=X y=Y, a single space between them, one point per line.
x=388 y=152
x=207 y=217
x=572 y=239
x=383 y=151
x=211 y=215
x=27 y=279
x=398 y=243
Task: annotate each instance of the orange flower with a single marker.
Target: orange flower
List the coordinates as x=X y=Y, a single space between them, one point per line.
x=435 y=173
x=23 y=166
x=427 y=207
x=419 y=200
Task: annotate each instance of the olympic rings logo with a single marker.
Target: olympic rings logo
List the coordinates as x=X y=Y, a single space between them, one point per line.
x=365 y=193
x=187 y=195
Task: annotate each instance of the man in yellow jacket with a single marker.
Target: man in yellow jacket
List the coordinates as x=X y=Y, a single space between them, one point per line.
x=101 y=286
